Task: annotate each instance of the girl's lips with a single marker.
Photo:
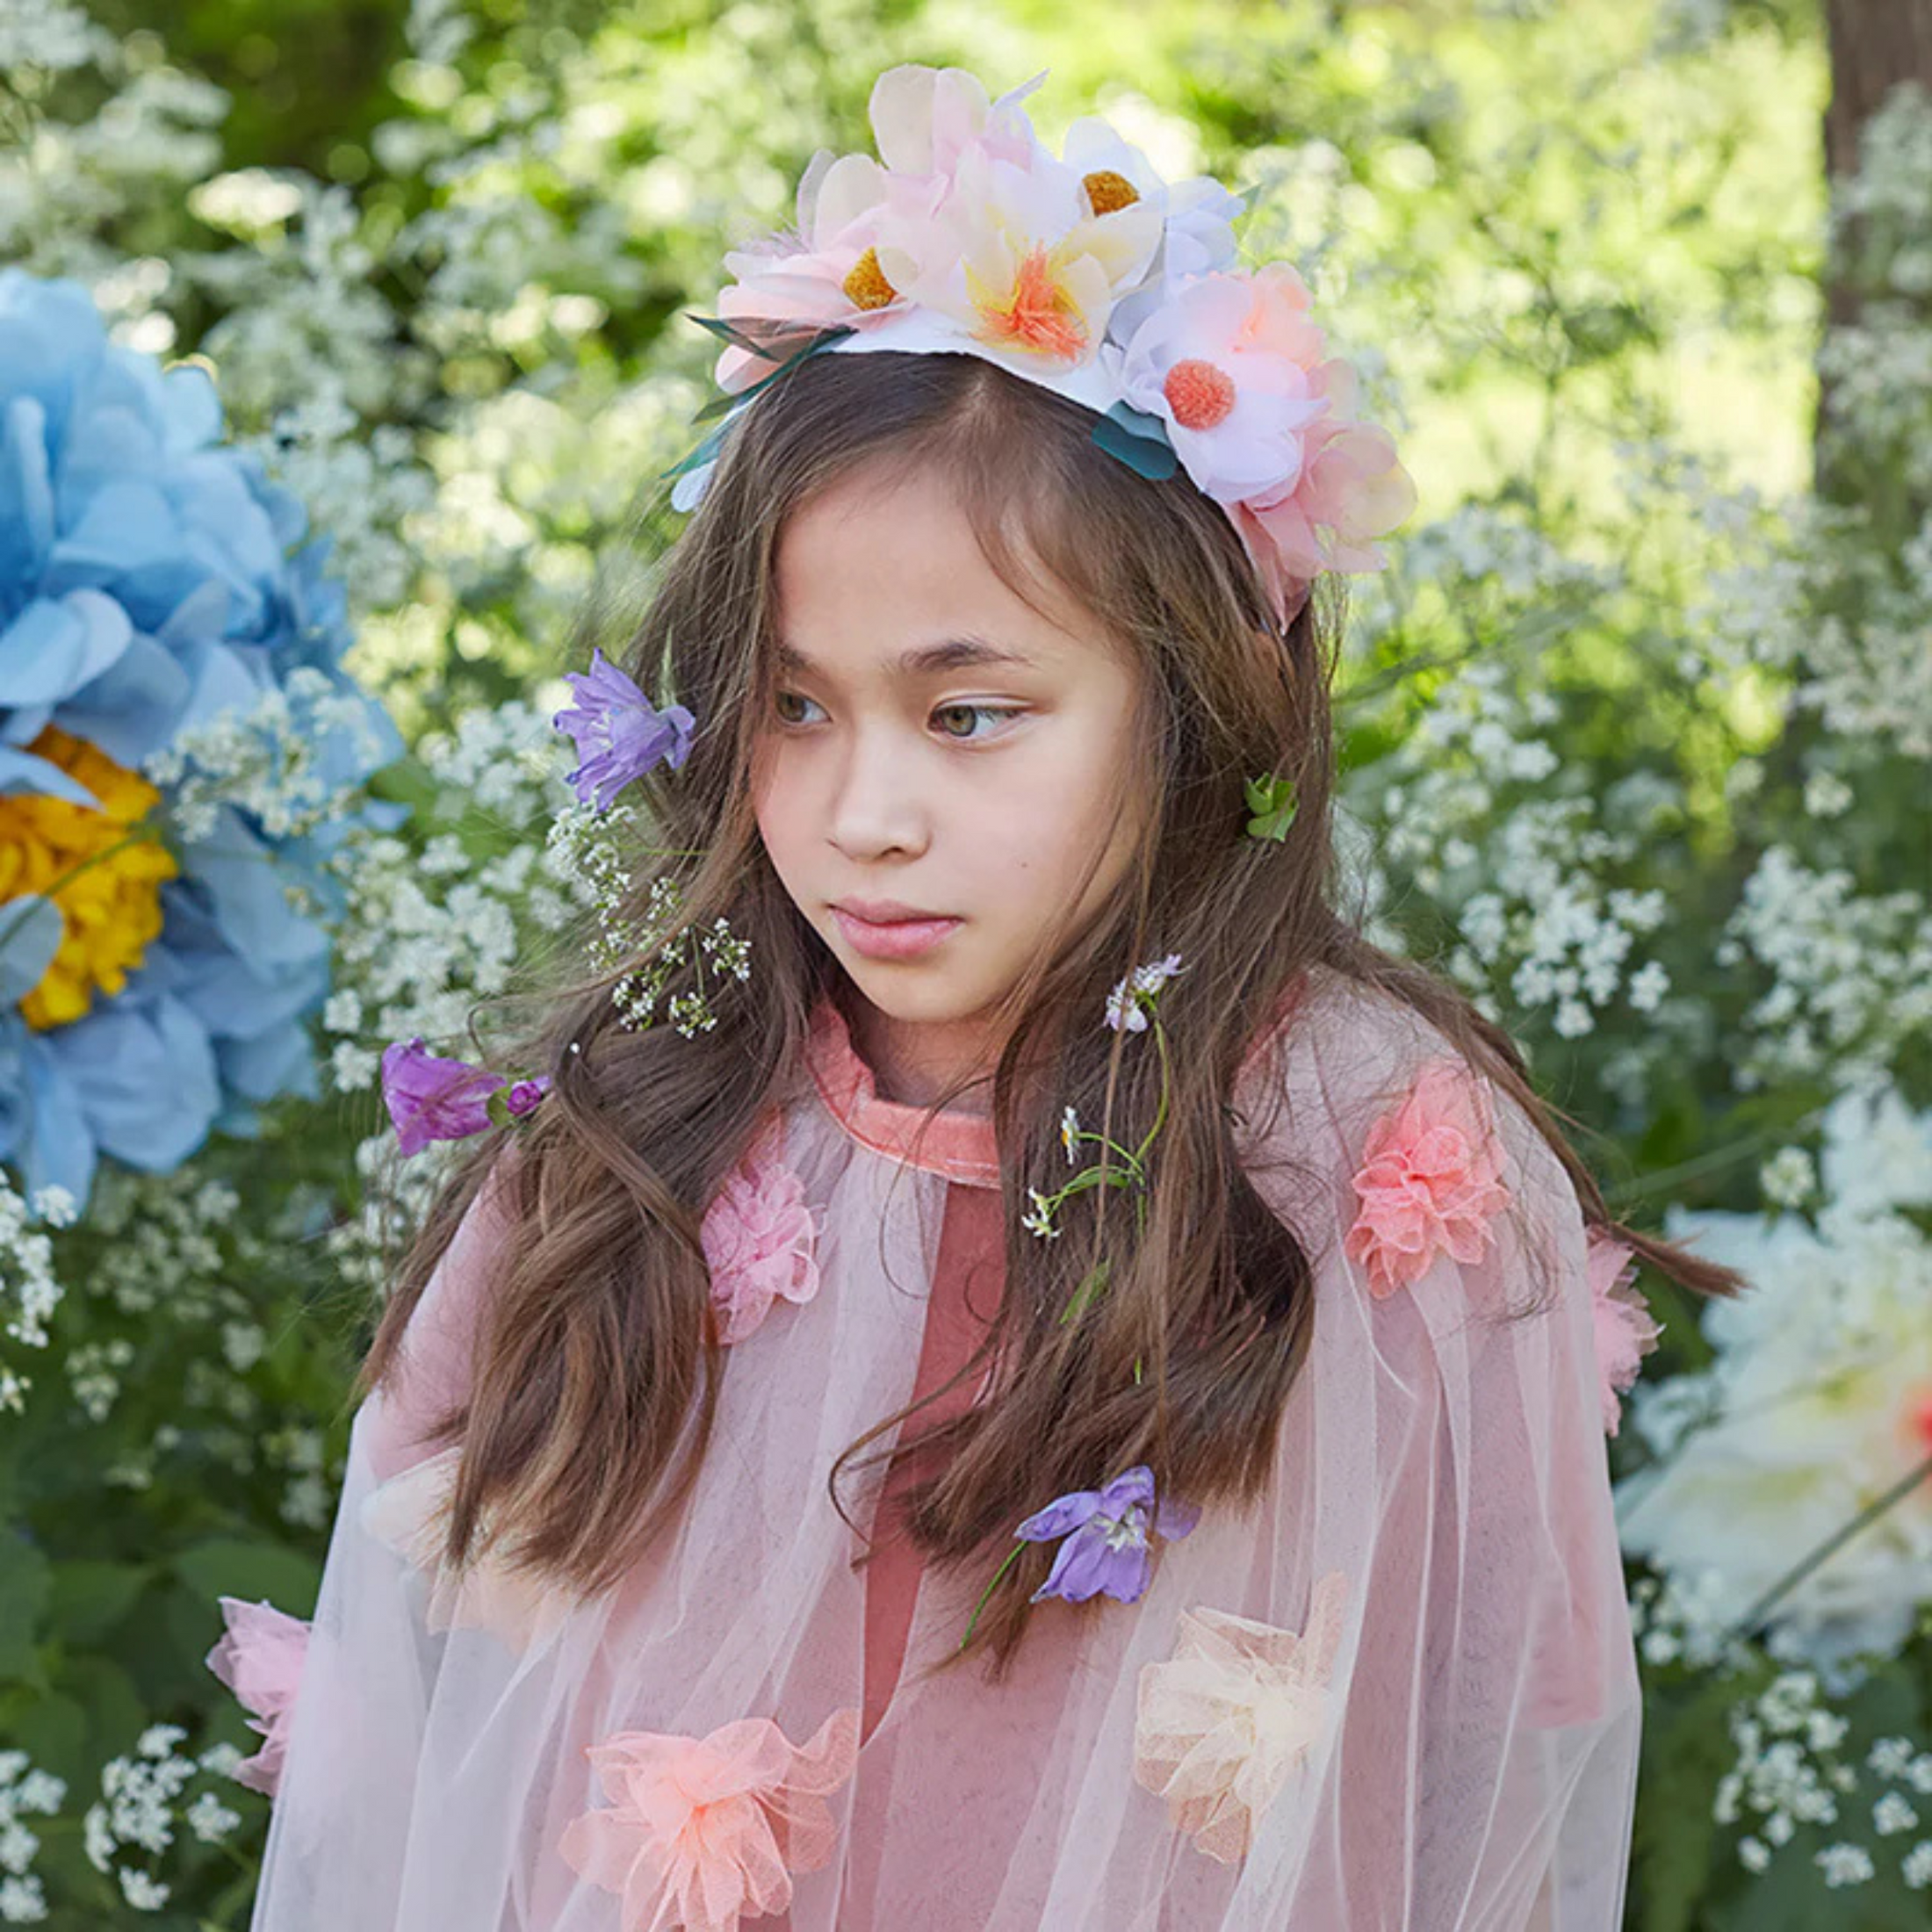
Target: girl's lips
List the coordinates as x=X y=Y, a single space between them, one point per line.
x=897 y=938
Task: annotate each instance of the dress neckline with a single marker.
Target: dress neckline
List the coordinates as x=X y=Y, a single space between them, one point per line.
x=962 y=1146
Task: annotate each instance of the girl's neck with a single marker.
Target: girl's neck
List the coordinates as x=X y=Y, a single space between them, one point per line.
x=914 y=1062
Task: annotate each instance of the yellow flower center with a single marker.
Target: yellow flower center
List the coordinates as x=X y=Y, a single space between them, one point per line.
x=1107 y=191
x=1035 y=314
x=866 y=286
x=1200 y=395
x=111 y=908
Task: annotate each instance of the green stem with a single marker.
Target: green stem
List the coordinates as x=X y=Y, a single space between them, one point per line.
x=1754 y=1616
x=972 y=1621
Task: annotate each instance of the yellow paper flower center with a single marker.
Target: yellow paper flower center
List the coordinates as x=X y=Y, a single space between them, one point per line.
x=1036 y=314
x=112 y=908
x=1107 y=191
x=1200 y=395
x=865 y=286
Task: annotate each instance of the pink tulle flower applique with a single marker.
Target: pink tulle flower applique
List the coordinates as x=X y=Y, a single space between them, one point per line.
x=1428 y=1183
x=408 y=1514
x=260 y=1659
x=1220 y=1726
x=1624 y=1331
x=704 y=1831
x=759 y=1238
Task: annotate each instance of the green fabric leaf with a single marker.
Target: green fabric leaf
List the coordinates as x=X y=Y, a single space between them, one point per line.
x=1141 y=453
x=1274 y=803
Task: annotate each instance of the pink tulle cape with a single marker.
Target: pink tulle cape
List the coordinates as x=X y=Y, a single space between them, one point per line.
x=1399 y=1691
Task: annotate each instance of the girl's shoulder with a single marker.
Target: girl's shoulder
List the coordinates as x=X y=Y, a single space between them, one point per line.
x=1352 y=1086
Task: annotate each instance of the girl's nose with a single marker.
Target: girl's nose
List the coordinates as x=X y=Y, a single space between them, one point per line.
x=875 y=804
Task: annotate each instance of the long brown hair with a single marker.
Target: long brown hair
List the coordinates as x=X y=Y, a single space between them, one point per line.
x=596 y=1365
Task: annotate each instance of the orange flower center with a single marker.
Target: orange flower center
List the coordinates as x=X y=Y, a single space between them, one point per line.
x=1106 y=190
x=109 y=898
x=1200 y=395
x=866 y=286
x=1037 y=314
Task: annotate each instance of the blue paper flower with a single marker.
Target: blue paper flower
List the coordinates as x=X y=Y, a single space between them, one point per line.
x=618 y=732
x=147 y=584
x=1105 y=1551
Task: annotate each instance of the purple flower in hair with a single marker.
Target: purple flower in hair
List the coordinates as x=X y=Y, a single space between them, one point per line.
x=431 y=1098
x=618 y=732
x=1106 y=1550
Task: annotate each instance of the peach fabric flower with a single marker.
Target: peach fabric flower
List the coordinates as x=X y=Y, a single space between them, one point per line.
x=1220 y=1726
x=704 y=1831
x=759 y=1238
x=1624 y=1331
x=260 y=1659
x=408 y=1514
x=1428 y=1183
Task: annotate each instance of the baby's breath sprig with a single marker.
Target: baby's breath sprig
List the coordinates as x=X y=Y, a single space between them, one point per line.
x=593 y=846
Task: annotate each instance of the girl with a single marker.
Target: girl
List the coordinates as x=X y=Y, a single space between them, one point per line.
x=1073 y=1396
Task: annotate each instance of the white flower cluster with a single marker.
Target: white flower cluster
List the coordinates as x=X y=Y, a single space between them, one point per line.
x=1789 y=1773
x=29 y=1292
x=137 y=1808
x=24 y=1793
x=1809 y=1414
x=1851 y=973
x=265 y=760
x=1529 y=880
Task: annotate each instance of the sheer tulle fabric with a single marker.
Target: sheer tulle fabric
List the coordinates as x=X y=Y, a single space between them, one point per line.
x=1398 y=1692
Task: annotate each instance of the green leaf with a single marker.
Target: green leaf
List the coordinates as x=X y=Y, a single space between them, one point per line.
x=26 y=1587
x=231 y=1567
x=90 y=1597
x=1081 y=1298
x=498 y=1109
x=1686 y=1750
x=1274 y=803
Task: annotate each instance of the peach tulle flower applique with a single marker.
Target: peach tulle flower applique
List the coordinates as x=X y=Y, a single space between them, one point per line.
x=1624 y=1331
x=1430 y=1181
x=1221 y=1724
x=408 y=1514
x=759 y=1238
x=704 y=1831
x=261 y=1659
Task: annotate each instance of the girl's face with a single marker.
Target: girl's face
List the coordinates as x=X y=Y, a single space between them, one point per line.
x=936 y=747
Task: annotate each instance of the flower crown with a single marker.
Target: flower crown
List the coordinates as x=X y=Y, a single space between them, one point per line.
x=1089 y=275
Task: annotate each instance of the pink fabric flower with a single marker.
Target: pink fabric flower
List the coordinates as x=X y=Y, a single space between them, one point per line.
x=1225 y=362
x=759 y=1238
x=261 y=1659
x=1220 y=1725
x=1624 y=1331
x=1429 y=1182
x=702 y=1831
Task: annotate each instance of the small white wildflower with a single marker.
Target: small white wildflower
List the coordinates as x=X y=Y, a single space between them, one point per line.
x=1040 y=1221
x=1891 y=1813
x=1753 y=1854
x=1126 y=1005
x=1069 y=1127
x=1890 y=1757
x=143 y=1892
x=1789 y=1178
x=1917 y=1869
x=1844 y=1864
x=210 y=1819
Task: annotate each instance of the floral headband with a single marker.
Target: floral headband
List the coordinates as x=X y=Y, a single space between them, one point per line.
x=1091 y=276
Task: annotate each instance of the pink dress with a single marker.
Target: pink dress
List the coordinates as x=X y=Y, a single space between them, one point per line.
x=1398 y=1692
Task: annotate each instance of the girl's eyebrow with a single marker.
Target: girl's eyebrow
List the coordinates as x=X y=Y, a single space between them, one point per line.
x=960 y=653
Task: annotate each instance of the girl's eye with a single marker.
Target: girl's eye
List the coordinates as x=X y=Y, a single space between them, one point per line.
x=973 y=710
x=780 y=700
